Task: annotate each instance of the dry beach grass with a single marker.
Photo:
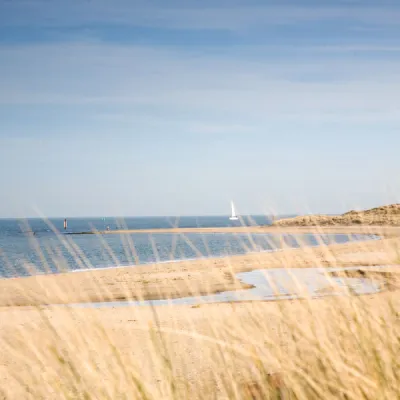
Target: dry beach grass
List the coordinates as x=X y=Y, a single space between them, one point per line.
x=343 y=347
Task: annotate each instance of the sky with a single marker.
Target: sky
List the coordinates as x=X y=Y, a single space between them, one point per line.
x=137 y=108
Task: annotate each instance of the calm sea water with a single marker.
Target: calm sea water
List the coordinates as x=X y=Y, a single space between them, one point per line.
x=22 y=253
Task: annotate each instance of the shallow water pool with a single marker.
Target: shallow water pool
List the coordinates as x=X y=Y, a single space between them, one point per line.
x=271 y=284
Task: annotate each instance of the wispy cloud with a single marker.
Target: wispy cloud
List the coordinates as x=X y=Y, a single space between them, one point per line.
x=147 y=80
x=224 y=87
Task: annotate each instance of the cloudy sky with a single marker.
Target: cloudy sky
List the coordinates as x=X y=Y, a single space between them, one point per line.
x=176 y=107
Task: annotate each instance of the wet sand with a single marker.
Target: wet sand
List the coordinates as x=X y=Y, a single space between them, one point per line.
x=197 y=277
x=388 y=277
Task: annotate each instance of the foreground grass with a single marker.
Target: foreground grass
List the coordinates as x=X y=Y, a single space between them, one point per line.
x=343 y=347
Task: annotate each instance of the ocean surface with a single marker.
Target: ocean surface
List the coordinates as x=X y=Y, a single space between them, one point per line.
x=36 y=246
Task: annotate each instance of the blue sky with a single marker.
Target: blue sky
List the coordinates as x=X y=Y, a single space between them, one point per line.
x=175 y=108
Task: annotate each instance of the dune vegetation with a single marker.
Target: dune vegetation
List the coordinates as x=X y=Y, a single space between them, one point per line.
x=383 y=216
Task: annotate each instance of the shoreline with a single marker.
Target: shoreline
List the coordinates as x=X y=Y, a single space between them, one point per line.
x=387 y=231
x=196 y=277
x=210 y=257
x=205 y=258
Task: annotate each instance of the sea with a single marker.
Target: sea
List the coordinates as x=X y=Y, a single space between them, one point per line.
x=36 y=246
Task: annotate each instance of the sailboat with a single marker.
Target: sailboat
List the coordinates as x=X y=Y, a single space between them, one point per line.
x=233 y=217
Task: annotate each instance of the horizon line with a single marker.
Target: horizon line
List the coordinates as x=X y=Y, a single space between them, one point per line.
x=153 y=216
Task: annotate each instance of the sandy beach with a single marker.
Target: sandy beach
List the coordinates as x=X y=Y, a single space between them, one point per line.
x=197 y=277
x=197 y=340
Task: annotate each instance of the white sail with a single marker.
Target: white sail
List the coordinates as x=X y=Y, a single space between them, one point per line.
x=233 y=216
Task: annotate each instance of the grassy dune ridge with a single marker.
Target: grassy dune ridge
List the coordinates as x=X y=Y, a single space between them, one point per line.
x=383 y=216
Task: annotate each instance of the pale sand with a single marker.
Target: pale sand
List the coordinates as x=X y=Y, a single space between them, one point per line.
x=192 y=336
x=198 y=277
x=190 y=341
